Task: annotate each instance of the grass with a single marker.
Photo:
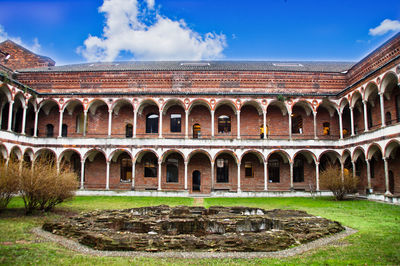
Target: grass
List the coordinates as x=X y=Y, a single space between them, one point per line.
x=377 y=242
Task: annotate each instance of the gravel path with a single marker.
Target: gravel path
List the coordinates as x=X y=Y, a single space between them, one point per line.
x=75 y=246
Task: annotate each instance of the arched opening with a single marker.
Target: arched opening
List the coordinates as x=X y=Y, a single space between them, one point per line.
x=327 y=120
x=199 y=114
x=45 y=155
x=129 y=131
x=373 y=106
x=200 y=161
x=391 y=90
x=121 y=170
x=277 y=121
x=225 y=171
x=226 y=120
x=146 y=171
x=252 y=171
x=392 y=153
x=302 y=120
x=97 y=119
x=304 y=171
x=95 y=173
x=73 y=117
x=5 y=97
x=122 y=116
x=49 y=116
x=196 y=180
x=358 y=113
x=152 y=123
x=250 y=119
x=196 y=131
x=376 y=166
x=72 y=160
x=173 y=170
x=278 y=171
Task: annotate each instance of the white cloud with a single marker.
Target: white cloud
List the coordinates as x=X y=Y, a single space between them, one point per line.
x=141 y=31
x=35 y=47
x=385 y=26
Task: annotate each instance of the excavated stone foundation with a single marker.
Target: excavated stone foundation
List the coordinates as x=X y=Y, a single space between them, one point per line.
x=164 y=228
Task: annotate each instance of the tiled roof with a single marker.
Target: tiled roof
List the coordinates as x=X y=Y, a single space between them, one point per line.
x=298 y=66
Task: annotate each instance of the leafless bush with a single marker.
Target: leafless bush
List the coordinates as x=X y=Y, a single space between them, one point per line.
x=331 y=178
x=8 y=182
x=43 y=187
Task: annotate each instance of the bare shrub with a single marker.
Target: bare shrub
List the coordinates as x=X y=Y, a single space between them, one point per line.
x=43 y=187
x=8 y=182
x=331 y=178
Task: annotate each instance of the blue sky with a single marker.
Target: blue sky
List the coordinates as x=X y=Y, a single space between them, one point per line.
x=76 y=31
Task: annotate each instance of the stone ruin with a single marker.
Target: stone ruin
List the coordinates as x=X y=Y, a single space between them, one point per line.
x=164 y=228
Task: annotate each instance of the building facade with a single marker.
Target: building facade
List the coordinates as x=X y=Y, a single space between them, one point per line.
x=208 y=127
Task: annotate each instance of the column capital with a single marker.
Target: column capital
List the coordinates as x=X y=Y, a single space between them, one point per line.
x=351 y=108
x=11 y=102
x=110 y=111
x=316 y=163
x=85 y=111
x=364 y=101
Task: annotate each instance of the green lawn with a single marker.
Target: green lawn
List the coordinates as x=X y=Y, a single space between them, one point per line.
x=377 y=242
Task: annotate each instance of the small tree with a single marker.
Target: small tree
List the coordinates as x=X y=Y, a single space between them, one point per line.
x=8 y=182
x=43 y=186
x=331 y=178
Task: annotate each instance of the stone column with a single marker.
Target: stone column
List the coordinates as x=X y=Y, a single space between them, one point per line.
x=85 y=112
x=368 y=174
x=382 y=103
x=291 y=175
x=109 y=122
x=134 y=122
x=340 y=124
x=82 y=173
x=365 y=116
x=160 y=126
x=10 y=113
x=23 y=130
x=108 y=176
x=266 y=176
x=238 y=123
x=315 y=124
x=317 y=175
x=35 y=129
x=290 y=125
x=212 y=176
x=186 y=175
x=60 y=124
x=186 y=124
x=238 y=177
x=159 y=174
x=354 y=168
x=386 y=165
x=212 y=123
x=133 y=174
x=265 y=123
x=342 y=170
x=352 y=121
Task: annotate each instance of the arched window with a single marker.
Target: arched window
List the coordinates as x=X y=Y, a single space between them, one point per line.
x=64 y=130
x=150 y=168
x=49 y=130
x=388 y=118
x=128 y=130
x=273 y=171
x=152 y=123
x=172 y=171
x=326 y=129
x=222 y=171
x=175 y=123
x=224 y=124
x=298 y=169
x=196 y=131
x=297 y=124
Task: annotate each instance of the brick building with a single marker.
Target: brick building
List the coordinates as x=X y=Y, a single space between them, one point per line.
x=209 y=127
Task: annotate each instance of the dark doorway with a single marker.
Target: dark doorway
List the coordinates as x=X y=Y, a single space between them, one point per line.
x=391 y=182
x=196 y=182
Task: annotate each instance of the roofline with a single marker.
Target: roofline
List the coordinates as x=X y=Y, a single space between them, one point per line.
x=27 y=50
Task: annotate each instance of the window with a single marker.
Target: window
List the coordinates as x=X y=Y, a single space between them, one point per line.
x=297 y=124
x=248 y=169
x=224 y=124
x=369 y=115
x=126 y=169
x=273 y=171
x=298 y=170
x=172 y=171
x=222 y=171
x=150 y=168
x=152 y=123
x=49 y=130
x=372 y=167
x=64 y=131
x=128 y=130
x=388 y=118
x=326 y=129
x=196 y=131
x=175 y=122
